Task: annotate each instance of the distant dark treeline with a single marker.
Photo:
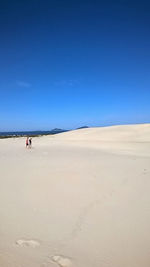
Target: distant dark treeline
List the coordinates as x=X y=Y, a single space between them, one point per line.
x=34 y=133
x=30 y=133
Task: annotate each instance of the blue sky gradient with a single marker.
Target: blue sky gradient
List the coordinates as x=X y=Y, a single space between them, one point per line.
x=71 y=63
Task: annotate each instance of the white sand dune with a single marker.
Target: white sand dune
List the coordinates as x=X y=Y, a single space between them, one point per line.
x=123 y=133
x=77 y=199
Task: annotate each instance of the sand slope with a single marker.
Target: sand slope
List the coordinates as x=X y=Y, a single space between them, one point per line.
x=123 y=133
x=77 y=199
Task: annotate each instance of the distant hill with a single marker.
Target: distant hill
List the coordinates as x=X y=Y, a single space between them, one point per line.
x=82 y=127
x=57 y=130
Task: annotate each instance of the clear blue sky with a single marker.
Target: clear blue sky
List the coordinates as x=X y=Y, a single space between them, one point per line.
x=68 y=63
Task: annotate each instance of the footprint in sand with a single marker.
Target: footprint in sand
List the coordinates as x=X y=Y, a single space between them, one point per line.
x=61 y=261
x=27 y=243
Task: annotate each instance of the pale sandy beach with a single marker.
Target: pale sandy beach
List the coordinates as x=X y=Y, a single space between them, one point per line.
x=79 y=199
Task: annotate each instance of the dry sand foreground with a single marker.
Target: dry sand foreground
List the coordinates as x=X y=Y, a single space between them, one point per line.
x=79 y=199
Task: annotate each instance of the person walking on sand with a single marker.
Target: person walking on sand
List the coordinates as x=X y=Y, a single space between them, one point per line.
x=30 y=142
x=27 y=142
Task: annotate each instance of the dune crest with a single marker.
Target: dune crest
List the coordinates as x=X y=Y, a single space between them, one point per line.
x=124 y=133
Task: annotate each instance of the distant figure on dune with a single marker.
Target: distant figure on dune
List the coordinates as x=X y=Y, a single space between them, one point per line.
x=27 y=142
x=30 y=142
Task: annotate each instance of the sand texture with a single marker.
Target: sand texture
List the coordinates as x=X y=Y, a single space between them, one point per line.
x=76 y=199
